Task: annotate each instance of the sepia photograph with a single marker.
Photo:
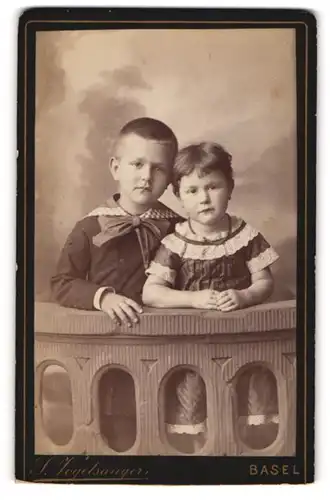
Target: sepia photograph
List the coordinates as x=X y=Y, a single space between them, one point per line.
x=165 y=242
x=165 y=246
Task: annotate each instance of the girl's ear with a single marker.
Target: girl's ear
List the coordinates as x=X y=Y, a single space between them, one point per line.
x=231 y=192
x=113 y=167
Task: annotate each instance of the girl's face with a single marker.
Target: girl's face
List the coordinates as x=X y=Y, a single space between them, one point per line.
x=205 y=199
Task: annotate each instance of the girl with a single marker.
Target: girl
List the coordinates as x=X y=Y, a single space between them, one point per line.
x=212 y=261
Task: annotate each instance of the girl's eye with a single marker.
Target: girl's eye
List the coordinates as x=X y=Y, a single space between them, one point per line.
x=192 y=190
x=213 y=186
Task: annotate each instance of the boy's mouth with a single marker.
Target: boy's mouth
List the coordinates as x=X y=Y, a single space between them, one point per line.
x=143 y=188
x=206 y=210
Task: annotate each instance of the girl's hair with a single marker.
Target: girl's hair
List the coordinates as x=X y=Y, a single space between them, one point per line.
x=205 y=157
x=152 y=129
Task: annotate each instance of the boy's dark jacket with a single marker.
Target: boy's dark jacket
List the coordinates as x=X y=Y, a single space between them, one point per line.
x=109 y=248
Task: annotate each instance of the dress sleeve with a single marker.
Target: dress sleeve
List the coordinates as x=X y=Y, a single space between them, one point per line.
x=259 y=253
x=166 y=262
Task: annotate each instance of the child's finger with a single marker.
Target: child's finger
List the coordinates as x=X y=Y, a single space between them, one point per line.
x=228 y=307
x=210 y=305
x=224 y=300
x=121 y=315
x=219 y=295
x=225 y=305
x=111 y=313
x=212 y=300
x=215 y=295
x=129 y=311
x=134 y=305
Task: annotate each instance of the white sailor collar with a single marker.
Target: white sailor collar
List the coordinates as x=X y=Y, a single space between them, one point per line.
x=112 y=209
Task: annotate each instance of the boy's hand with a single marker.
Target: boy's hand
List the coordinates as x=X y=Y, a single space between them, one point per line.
x=205 y=299
x=120 y=309
x=230 y=300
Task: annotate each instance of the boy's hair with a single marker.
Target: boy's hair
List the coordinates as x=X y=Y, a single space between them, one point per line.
x=205 y=157
x=152 y=129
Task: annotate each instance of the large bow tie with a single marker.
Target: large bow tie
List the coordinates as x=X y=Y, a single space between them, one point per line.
x=115 y=227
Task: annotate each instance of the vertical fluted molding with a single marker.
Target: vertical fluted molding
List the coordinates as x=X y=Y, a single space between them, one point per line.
x=149 y=358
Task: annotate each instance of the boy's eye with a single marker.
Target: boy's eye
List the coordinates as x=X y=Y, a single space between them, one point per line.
x=137 y=164
x=160 y=167
x=192 y=190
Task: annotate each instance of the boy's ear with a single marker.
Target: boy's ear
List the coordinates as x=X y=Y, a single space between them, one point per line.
x=177 y=194
x=113 y=167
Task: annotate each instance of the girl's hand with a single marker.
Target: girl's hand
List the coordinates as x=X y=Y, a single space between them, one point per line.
x=230 y=300
x=120 y=309
x=205 y=299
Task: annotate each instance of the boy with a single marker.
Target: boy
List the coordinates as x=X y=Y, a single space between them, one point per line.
x=103 y=262
x=102 y=265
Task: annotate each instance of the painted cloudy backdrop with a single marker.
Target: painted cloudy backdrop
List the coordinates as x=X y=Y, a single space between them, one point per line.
x=236 y=87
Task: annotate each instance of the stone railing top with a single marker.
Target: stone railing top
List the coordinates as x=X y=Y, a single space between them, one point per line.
x=53 y=319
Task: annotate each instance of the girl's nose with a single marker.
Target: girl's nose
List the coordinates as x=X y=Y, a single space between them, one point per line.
x=204 y=196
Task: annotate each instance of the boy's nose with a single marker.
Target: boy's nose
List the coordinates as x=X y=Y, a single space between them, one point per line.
x=146 y=171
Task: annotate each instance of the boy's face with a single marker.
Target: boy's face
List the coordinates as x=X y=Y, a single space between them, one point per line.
x=205 y=199
x=142 y=168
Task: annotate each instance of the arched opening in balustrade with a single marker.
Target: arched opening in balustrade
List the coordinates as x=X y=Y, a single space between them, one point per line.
x=117 y=409
x=183 y=409
x=56 y=404
x=256 y=405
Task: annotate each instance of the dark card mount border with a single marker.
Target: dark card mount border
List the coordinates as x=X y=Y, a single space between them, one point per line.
x=164 y=469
